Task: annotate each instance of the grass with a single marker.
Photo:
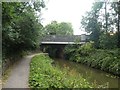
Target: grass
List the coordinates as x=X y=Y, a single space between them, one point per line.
x=44 y=75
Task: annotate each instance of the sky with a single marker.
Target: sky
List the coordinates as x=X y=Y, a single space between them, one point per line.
x=66 y=11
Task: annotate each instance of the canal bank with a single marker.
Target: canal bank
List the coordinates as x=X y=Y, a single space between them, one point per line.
x=95 y=76
x=44 y=75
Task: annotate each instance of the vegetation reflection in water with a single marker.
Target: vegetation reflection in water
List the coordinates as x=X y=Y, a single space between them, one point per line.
x=94 y=76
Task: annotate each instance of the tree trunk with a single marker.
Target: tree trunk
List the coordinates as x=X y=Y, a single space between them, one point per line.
x=118 y=24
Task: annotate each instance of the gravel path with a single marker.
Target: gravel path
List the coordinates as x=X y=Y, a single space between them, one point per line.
x=19 y=75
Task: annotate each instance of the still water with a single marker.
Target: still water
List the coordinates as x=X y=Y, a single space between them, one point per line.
x=92 y=75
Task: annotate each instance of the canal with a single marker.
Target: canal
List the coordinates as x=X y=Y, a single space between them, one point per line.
x=93 y=76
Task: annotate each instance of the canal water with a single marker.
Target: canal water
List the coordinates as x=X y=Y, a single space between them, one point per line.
x=92 y=75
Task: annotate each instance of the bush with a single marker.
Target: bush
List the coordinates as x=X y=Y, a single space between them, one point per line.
x=108 y=41
x=86 y=48
x=69 y=51
x=74 y=52
x=106 y=60
x=44 y=75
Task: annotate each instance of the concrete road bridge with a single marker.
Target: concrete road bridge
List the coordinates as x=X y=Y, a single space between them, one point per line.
x=60 y=41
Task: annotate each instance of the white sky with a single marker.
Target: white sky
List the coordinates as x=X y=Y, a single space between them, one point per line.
x=66 y=11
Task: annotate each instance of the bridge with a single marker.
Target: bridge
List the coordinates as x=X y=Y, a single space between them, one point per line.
x=60 y=41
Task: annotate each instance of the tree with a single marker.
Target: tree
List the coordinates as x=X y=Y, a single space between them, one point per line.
x=62 y=28
x=51 y=28
x=91 y=24
x=108 y=41
x=65 y=28
x=20 y=26
x=100 y=24
x=118 y=24
x=116 y=7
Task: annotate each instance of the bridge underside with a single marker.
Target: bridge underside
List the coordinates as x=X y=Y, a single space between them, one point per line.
x=56 y=49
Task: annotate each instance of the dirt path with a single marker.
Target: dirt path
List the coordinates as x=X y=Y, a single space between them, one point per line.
x=19 y=75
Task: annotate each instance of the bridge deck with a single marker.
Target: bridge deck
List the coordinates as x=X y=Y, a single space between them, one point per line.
x=64 y=39
x=62 y=43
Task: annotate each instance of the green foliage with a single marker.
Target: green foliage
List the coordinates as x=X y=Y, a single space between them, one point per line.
x=85 y=49
x=97 y=23
x=62 y=28
x=91 y=24
x=69 y=51
x=108 y=41
x=78 y=50
x=20 y=26
x=44 y=75
x=107 y=60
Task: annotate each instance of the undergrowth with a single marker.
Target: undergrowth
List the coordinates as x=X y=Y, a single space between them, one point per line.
x=106 y=60
x=44 y=75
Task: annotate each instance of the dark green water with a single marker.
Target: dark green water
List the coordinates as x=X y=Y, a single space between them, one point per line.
x=92 y=75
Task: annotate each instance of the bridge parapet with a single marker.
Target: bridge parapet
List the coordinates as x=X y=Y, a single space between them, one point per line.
x=62 y=39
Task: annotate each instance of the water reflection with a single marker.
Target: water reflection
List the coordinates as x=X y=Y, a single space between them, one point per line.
x=97 y=77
